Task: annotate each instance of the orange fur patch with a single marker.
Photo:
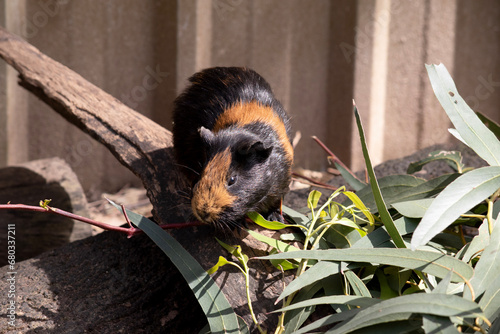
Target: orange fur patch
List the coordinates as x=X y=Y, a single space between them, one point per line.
x=211 y=196
x=246 y=113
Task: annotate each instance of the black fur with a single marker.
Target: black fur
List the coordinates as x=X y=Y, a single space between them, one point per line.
x=259 y=160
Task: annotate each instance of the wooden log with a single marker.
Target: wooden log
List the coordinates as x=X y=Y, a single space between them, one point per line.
x=28 y=183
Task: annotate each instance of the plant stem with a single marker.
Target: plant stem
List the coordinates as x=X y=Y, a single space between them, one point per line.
x=129 y=231
x=489 y=215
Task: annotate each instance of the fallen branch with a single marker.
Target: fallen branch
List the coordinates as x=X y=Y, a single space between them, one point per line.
x=129 y=231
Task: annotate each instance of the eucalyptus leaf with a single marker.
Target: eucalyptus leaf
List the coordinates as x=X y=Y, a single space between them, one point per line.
x=279 y=245
x=379 y=200
x=460 y=196
x=317 y=272
x=328 y=320
x=217 y=309
x=438 y=325
x=478 y=243
x=490 y=124
x=351 y=179
x=350 y=300
x=261 y=221
x=475 y=134
x=391 y=187
x=487 y=268
x=490 y=301
x=313 y=199
x=357 y=284
x=295 y=318
x=454 y=158
x=413 y=209
x=404 y=306
x=426 y=261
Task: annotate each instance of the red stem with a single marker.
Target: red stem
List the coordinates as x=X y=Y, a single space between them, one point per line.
x=314 y=182
x=130 y=231
x=333 y=156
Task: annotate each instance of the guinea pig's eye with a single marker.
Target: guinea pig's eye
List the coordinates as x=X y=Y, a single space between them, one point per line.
x=232 y=180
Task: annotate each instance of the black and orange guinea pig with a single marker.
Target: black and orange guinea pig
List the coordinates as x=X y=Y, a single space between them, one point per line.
x=232 y=141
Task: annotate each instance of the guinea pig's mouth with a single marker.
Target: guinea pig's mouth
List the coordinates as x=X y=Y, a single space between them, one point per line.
x=204 y=211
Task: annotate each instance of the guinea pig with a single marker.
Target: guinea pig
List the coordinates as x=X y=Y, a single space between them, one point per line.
x=232 y=140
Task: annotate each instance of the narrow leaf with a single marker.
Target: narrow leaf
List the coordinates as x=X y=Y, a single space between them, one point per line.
x=490 y=124
x=413 y=209
x=490 y=302
x=470 y=127
x=350 y=300
x=487 y=268
x=380 y=236
x=382 y=209
x=261 y=221
x=220 y=315
x=328 y=320
x=460 y=196
x=351 y=179
x=222 y=262
x=357 y=284
x=432 y=263
x=478 y=243
x=454 y=158
x=315 y=273
x=404 y=306
x=279 y=245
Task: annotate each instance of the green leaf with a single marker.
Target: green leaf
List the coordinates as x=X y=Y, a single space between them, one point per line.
x=391 y=187
x=385 y=290
x=343 y=234
x=401 y=308
x=317 y=272
x=413 y=209
x=350 y=300
x=351 y=179
x=328 y=320
x=490 y=124
x=380 y=236
x=425 y=189
x=487 y=268
x=490 y=301
x=360 y=205
x=261 y=221
x=297 y=217
x=313 y=199
x=433 y=263
x=478 y=243
x=438 y=325
x=460 y=196
x=279 y=245
x=382 y=209
x=295 y=318
x=222 y=262
x=468 y=125
x=357 y=284
x=217 y=309
x=454 y=158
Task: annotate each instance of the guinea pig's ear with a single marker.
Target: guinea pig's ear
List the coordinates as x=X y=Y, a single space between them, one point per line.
x=206 y=135
x=255 y=149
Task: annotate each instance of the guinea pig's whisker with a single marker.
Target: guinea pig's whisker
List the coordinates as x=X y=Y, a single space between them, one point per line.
x=187 y=167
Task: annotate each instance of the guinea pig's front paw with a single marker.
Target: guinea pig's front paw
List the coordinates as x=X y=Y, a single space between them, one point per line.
x=276 y=216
